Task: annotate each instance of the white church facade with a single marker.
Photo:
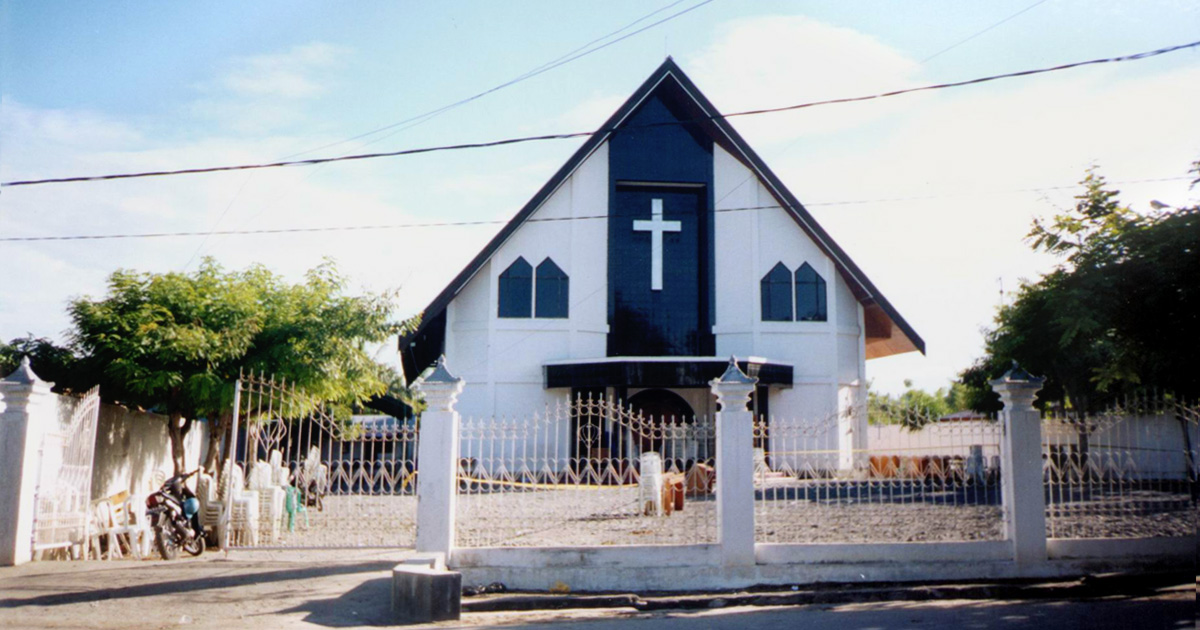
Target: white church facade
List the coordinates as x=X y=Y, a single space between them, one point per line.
x=661 y=248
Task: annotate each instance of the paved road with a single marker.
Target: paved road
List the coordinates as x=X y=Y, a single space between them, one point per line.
x=1167 y=611
x=351 y=590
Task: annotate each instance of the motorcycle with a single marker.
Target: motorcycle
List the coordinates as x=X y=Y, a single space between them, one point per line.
x=174 y=515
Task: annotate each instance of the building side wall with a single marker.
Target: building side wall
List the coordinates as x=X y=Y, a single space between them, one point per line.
x=501 y=358
x=827 y=356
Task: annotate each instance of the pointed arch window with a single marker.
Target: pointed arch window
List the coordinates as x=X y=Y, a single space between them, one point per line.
x=810 y=295
x=516 y=290
x=776 y=288
x=552 y=291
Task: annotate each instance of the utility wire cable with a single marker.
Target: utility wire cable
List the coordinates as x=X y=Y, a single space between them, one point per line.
x=577 y=53
x=420 y=119
x=442 y=224
x=578 y=134
x=967 y=39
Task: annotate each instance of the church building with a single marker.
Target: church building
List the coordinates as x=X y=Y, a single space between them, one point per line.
x=661 y=248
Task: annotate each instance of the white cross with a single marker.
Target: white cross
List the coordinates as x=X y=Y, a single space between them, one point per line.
x=656 y=226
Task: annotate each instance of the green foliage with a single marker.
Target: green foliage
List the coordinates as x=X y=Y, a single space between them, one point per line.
x=177 y=342
x=1118 y=313
x=50 y=362
x=915 y=407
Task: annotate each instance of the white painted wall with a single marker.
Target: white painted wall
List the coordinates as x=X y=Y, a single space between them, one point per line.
x=1141 y=447
x=827 y=357
x=132 y=445
x=501 y=359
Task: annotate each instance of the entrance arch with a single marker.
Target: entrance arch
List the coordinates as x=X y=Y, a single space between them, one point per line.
x=665 y=413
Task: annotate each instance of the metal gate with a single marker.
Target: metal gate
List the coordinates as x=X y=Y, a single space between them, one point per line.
x=307 y=477
x=589 y=473
x=64 y=489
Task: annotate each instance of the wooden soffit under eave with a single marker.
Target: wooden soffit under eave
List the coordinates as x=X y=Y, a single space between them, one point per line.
x=884 y=337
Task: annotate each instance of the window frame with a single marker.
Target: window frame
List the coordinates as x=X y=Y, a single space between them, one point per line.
x=770 y=288
x=519 y=306
x=557 y=302
x=816 y=290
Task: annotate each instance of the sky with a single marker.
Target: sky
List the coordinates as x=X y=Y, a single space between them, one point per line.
x=931 y=194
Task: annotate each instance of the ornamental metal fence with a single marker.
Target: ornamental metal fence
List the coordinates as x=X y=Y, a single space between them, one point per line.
x=1126 y=472
x=586 y=473
x=877 y=474
x=308 y=477
x=62 y=502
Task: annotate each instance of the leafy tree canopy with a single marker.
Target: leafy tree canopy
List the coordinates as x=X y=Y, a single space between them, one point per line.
x=915 y=407
x=1118 y=314
x=176 y=342
x=50 y=362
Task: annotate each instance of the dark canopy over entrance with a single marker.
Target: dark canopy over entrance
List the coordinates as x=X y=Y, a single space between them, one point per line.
x=674 y=372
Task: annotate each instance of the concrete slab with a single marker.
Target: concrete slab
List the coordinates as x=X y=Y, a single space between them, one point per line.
x=421 y=594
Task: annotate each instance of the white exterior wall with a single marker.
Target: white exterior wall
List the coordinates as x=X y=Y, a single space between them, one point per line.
x=827 y=357
x=132 y=445
x=501 y=359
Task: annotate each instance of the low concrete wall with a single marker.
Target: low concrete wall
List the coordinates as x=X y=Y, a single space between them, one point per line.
x=631 y=556
x=1181 y=548
x=697 y=567
x=132 y=445
x=709 y=577
x=885 y=552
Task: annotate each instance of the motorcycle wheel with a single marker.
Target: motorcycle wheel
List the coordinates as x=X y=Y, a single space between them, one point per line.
x=195 y=546
x=167 y=547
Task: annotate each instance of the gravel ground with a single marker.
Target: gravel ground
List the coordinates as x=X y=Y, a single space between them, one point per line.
x=793 y=514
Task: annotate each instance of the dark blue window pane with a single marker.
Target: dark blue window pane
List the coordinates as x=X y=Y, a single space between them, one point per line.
x=777 y=295
x=516 y=290
x=810 y=295
x=552 y=291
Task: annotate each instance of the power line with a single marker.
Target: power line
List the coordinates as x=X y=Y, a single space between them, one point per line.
x=545 y=67
x=421 y=119
x=562 y=136
x=443 y=224
x=967 y=39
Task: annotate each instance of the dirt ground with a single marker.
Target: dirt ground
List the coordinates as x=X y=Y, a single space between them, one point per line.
x=246 y=590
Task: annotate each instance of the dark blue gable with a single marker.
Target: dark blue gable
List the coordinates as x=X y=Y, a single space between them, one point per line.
x=651 y=157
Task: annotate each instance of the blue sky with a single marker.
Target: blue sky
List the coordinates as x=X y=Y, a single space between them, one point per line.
x=90 y=88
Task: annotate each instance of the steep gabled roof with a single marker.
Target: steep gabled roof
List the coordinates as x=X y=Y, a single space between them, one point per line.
x=887 y=332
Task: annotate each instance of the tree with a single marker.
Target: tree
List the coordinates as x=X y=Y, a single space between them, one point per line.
x=50 y=362
x=1115 y=315
x=176 y=342
x=915 y=407
x=314 y=337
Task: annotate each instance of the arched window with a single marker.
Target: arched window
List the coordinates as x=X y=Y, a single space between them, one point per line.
x=810 y=295
x=516 y=290
x=777 y=295
x=552 y=291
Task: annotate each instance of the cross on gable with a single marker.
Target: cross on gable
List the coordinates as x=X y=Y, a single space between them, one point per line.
x=656 y=226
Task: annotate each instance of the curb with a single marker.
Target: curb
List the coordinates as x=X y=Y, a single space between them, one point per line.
x=1088 y=587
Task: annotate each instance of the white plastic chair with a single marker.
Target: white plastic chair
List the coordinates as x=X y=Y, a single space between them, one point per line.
x=210 y=506
x=650 y=484
x=271 y=500
x=243 y=512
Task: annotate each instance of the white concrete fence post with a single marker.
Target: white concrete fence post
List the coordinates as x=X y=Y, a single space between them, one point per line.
x=735 y=466
x=437 y=461
x=1021 y=465
x=27 y=409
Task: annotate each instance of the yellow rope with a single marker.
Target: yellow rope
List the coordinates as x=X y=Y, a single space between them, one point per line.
x=546 y=486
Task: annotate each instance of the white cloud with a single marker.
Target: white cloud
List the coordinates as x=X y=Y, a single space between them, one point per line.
x=285 y=75
x=265 y=93
x=772 y=61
